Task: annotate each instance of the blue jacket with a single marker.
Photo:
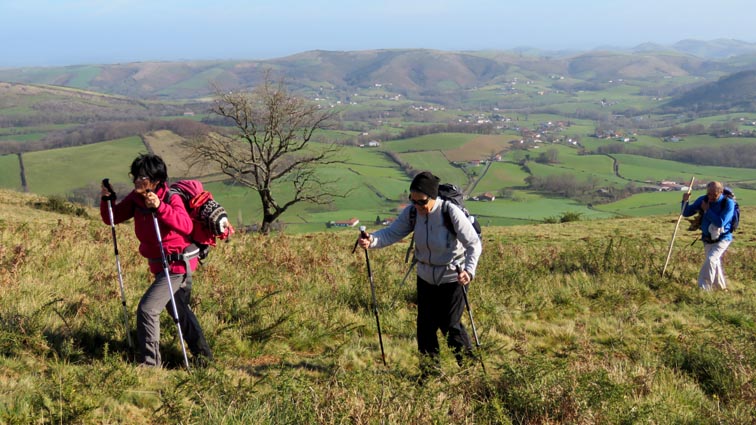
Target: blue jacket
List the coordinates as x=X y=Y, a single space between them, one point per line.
x=719 y=214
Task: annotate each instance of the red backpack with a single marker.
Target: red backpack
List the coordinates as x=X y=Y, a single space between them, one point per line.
x=209 y=218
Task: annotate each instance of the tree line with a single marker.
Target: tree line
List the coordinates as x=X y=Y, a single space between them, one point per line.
x=104 y=131
x=738 y=156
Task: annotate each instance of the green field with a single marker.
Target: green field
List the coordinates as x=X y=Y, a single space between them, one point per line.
x=501 y=175
x=59 y=171
x=648 y=169
x=432 y=142
x=10 y=172
x=375 y=186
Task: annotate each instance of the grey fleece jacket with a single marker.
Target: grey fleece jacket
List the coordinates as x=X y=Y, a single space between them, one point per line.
x=437 y=251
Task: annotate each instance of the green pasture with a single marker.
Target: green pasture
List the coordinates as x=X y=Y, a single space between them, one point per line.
x=532 y=206
x=58 y=171
x=17 y=110
x=661 y=203
x=501 y=175
x=24 y=137
x=709 y=141
x=83 y=77
x=366 y=185
x=437 y=163
x=337 y=135
x=725 y=118
x=546 y=170
x=645 y=204
x=431 y=142
x=591 y=143
x=10 y=172
x=648 y=169
x=371 y=157
x=687 y=142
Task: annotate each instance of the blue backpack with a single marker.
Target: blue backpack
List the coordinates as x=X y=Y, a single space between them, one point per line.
x=728 y=193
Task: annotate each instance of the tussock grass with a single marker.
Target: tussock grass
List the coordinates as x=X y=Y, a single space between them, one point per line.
x=576 y=323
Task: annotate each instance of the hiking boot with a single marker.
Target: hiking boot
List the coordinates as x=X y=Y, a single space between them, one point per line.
x=201 y=362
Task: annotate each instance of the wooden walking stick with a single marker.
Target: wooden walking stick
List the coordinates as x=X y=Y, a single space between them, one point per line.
x=672 y=242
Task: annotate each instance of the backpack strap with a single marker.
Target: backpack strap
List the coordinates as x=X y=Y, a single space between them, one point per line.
x=447 y=218
x=413 y=221
x=190 y=252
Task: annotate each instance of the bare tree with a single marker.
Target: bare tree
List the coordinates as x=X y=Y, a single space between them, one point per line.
x=271 y=147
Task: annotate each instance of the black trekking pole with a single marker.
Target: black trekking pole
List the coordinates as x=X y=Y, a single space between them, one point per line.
x=364 y=235
x=170 y=286
x=111 y=199
x=472 y=323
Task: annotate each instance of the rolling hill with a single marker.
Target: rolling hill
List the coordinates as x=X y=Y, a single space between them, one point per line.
x=411 y=72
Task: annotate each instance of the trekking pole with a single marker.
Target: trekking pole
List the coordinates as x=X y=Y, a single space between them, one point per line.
x=106 y=184
x=170 y=286
x=672 y=242
x=472 y=323
x=364 y=235
x=407 y=259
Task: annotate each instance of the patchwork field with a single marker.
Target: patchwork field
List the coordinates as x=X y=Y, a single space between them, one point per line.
x=375 y=187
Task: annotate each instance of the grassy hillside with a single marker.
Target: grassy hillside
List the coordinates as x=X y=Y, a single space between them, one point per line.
x=576 y=324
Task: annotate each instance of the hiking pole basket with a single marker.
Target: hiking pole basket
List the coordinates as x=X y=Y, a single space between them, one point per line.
x=164 y=259
x=106 y=184
x=364 y=235
x=672 y=242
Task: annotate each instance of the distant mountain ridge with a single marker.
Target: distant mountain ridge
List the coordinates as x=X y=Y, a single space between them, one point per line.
x=733 y=91
x=414 y=73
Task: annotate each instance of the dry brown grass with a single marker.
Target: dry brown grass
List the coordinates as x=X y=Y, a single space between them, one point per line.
x=486 y=144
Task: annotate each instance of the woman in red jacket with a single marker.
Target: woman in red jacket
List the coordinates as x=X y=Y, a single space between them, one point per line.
x=150 y=176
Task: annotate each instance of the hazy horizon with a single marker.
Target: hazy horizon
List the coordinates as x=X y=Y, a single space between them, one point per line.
x=61 y=33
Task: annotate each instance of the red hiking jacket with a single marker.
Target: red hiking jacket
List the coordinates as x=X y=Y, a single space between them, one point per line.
x=173 y=220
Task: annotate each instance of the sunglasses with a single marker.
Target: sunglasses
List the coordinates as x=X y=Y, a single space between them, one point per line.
x=420 y=202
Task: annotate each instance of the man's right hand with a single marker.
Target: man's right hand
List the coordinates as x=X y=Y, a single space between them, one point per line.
x=686 y=197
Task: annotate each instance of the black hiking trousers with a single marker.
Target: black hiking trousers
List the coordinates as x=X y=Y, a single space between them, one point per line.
x=441 y=307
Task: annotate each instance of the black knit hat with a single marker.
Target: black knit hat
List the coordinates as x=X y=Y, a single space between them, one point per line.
x=426 y=183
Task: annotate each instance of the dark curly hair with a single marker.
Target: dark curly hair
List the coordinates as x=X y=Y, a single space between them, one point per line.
x=149 y=165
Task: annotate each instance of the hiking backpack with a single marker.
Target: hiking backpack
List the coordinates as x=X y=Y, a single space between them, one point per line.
x=451 y=194
x=728 y=193
x=695 y=223
x=209 y=218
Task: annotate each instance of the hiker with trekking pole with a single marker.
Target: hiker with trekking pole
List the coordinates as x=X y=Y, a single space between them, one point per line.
x=717 y=212
x=163 y=226
x=439 y=253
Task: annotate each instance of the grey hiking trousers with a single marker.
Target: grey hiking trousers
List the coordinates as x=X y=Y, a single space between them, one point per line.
x=152 y=304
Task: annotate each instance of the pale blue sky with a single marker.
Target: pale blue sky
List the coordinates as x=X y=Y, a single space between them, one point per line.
x=67 y=32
